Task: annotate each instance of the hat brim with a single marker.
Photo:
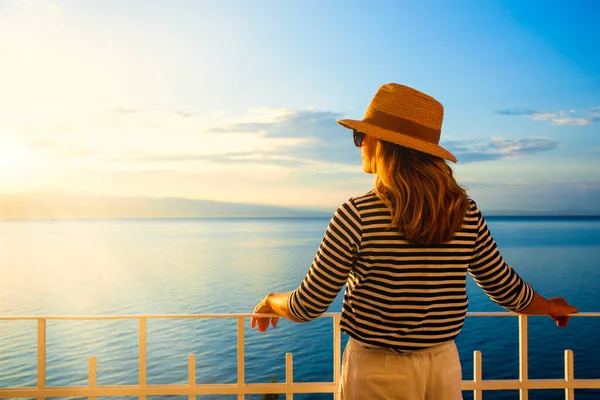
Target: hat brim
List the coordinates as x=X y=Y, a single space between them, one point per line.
x=397 y=138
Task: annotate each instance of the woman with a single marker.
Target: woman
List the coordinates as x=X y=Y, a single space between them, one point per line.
x=404 y=250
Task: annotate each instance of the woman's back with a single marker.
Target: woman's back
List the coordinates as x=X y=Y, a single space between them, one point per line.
x=401 y=295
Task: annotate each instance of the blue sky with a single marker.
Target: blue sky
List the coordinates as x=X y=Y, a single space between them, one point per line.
x=237 y=100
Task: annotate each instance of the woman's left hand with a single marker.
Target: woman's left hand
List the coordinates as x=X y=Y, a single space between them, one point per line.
x=264 y=307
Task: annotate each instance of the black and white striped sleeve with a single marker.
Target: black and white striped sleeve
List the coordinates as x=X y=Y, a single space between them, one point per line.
x=331 y=266
x=497 y=279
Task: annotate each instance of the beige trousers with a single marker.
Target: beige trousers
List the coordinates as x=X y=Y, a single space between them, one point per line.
x=375 y=373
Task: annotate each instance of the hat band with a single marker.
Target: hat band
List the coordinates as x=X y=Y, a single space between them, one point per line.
x=402 y=125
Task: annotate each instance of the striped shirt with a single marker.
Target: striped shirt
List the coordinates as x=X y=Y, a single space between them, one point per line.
x=400 y=295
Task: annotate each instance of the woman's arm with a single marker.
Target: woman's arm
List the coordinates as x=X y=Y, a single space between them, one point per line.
x=497 y=279
x=279 y=304
x=274 y=303
x=331 y=266
x=504 y=286
x=556 y=308
x=326 y=276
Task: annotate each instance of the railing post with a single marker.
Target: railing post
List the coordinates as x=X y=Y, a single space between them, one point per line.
x=523 y=362
x=92 y=375
x=142 y=351
x=569 y=375
x=337 y=356
x=289 y=376
x=192 y=374
x=240 y=355
x=41 y=355
x=477 y=375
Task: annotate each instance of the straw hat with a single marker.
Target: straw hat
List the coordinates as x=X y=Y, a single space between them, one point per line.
x=403 y=115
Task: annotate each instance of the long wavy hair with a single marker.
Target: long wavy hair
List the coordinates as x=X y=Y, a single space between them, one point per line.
x=426 y=203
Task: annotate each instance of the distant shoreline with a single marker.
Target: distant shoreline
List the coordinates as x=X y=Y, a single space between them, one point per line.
x=65 y=207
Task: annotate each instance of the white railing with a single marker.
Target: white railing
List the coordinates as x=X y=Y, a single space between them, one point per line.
x=191 y=389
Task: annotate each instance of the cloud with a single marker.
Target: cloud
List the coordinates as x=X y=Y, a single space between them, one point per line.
x=64 y=148
x=185 y=114
x=322 y=138
x=556 y=118
x=306 y=124
x=540 y=116
x=55 y=9
x=516 y=111
x=256 y=157
x=49 y=144
x=573 y=121
x=522 y=146
x=496 y=148
x=124 y=111
x=594 y=113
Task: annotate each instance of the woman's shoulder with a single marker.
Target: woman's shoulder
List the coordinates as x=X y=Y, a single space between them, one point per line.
x=472 y=204
x=366 y=199
x=473 y=211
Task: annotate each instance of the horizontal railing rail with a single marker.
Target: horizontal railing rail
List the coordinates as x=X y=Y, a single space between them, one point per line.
x=289 y=387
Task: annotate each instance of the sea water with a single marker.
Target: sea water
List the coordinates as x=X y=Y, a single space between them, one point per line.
x=200 y=266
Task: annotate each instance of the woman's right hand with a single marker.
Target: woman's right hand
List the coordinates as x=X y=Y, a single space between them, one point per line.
x=560 y=311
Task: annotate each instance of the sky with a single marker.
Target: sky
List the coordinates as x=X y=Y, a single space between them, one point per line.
x=237 y=101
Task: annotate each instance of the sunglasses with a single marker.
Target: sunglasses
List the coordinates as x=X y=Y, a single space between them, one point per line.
x=358 y=137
